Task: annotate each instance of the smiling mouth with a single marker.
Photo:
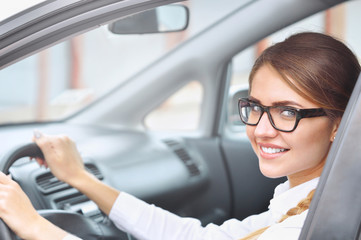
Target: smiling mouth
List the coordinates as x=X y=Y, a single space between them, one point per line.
x=273 y=150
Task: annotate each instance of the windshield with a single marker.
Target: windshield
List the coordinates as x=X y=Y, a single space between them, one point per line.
x=59 y=81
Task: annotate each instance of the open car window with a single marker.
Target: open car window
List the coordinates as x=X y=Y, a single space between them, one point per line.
x=59 y=81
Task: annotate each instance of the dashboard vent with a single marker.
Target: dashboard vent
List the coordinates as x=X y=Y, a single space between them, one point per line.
x=48 y=183
x=94 y=170
x=171 y=142
x=183 y=155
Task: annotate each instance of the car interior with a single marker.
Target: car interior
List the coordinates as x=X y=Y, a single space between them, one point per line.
x=193 y=158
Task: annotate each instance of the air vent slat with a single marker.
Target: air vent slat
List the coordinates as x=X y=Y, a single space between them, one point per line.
x=94 y=170
x=184 y=156
x=48 y=183
x=171 y=142
x=194 y=170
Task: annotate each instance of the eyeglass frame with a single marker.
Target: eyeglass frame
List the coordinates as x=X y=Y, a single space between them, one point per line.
x=300 y=113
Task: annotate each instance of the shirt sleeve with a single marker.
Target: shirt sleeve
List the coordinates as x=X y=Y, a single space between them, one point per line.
x=148 y=222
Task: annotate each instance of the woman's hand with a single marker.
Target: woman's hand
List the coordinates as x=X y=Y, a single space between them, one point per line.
x=65 y=162
x=19 y=214
x=61 y=156
x=16 y=209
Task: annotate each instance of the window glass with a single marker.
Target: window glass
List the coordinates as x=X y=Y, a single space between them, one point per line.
x=59 y=81
x=340 y=21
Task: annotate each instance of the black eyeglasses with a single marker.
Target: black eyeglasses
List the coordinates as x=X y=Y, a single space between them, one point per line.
x=282 y=118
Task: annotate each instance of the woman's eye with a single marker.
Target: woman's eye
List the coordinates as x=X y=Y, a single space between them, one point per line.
x=256 y=108
x=288 y=113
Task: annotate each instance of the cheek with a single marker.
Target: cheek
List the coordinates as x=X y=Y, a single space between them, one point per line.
x=251 y=137
x=250 y=132
x=311 y=147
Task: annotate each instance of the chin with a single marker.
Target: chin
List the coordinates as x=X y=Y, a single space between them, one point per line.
x=271 y=174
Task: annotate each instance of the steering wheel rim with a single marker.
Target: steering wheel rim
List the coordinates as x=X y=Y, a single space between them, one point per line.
x=30 y=150
x=77 y=224
x=26 y=150
x=5 y=232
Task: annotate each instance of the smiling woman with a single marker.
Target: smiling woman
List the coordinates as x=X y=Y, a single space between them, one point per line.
x=287 y=72
x=307 y=71
x=287 y=153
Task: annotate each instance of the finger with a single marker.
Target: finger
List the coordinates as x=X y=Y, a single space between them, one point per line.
x=4 y=179
x=40 y=161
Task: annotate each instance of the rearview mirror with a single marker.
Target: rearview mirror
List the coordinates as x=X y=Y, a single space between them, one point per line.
x=169 y=18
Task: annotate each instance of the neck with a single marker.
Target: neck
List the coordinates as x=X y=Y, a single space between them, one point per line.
x=299 y=178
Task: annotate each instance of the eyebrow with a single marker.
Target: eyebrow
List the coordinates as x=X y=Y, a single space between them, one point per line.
x=278 y=103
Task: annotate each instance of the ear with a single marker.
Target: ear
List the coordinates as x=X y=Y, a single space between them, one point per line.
x=335 y=125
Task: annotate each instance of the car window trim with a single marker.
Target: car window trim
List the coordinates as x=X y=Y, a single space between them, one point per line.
x=87 y=16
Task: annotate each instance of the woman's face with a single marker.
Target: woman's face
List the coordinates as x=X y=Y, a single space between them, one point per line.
x=300 y=155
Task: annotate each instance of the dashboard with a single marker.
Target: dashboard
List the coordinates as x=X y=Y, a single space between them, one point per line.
x=163 y=171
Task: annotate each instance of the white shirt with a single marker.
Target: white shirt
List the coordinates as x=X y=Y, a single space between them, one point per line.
x=148 y=222
x=71 y=237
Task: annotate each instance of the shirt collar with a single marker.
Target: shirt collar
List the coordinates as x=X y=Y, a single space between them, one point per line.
x=285 y=198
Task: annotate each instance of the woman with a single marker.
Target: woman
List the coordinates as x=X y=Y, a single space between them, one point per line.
x=299 y=90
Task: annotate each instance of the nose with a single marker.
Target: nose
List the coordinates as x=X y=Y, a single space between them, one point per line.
x=264 y=128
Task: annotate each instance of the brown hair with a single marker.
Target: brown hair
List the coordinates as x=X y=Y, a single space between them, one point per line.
x=318 y=67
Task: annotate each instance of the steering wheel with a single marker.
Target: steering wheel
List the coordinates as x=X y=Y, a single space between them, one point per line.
x=74 y=223
x=31 y=150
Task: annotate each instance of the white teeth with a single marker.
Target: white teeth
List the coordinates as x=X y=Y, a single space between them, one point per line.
x=272 y=150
